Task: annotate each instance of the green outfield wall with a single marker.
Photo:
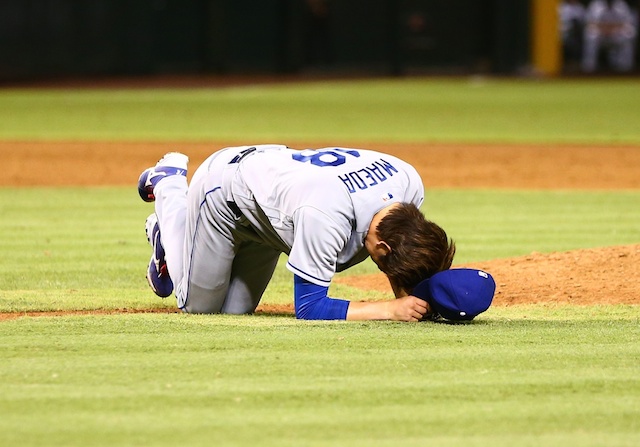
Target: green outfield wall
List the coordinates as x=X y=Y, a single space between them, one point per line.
x=54 y=38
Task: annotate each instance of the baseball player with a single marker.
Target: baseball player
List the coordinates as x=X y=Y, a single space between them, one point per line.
x=217 y=240
x=610 y=25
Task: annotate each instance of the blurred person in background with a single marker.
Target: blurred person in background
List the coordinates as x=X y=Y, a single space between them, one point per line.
x=571 y=14
x=610 y=25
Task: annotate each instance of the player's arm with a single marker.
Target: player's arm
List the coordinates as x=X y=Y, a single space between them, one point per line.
x=407 y=308
x=312 y=303
x=313 y=255
x=403 y=308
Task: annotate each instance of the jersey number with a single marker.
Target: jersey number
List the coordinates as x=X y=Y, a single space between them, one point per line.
x=329 y=157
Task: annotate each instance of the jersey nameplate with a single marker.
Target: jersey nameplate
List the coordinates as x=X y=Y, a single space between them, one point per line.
x=355 y=181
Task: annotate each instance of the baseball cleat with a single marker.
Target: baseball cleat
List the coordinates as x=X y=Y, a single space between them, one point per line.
x=173 y=163
x=157 y=273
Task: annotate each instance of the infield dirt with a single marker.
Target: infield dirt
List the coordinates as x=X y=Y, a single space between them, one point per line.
x=594 y=276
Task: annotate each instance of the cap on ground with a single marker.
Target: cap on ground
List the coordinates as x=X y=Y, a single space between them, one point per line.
x=458 y=294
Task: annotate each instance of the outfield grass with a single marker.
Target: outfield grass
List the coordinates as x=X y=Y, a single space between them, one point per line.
x=463 y=110
x=517 y=376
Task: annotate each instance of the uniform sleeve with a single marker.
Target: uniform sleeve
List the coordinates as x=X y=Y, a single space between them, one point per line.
x=317 y=241
x=312 y=303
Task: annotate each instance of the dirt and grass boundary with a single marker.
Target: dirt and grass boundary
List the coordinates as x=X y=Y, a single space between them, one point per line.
x=607 y=275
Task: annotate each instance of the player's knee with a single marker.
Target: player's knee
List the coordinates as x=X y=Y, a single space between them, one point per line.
x=200 y=301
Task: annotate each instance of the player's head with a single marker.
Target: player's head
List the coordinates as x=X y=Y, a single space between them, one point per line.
x=418 y=248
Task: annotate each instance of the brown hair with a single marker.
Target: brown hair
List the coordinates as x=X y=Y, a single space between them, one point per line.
x=419 y=247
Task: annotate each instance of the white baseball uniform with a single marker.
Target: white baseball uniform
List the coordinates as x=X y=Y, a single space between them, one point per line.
x=246 y=205
x=613 y=27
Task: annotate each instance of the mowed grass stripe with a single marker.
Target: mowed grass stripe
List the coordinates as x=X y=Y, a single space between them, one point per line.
x=277 y=381
x=65 y=240
x=412 y=109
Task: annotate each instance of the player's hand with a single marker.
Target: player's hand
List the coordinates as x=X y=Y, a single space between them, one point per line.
x=409 y=308
x=406 y=308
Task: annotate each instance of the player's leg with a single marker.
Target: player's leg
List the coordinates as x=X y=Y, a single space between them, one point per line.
x=252 y=270
x=208 y=254
x=166 y=184
x=171 y=208
x=621 y=53
x=209 y=244
x=590 y=51
x=198 y=233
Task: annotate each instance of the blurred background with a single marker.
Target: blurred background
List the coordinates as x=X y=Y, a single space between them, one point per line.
x=67 y=39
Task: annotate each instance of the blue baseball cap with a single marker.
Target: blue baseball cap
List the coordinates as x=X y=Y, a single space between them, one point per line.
x=457 y=294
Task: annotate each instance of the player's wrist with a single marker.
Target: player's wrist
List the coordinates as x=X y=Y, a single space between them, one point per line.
x=397 y=309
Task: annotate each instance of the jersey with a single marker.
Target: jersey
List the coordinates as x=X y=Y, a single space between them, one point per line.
x=316 y=205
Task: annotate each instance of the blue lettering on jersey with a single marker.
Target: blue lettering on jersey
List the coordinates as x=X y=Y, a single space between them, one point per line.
x=368 y=176
x=358 y=180
x=387 y=167
x=334 y=157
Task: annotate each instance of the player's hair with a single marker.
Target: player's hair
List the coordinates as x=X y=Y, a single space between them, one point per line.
x=419 y=248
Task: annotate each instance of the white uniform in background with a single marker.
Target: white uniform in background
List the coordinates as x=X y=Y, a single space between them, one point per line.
x=613 y=28
x=571 y=14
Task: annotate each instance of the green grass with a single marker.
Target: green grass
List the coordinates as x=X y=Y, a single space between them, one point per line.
x=498 y=224
x=515 y=377
x=69 y=241
x=523 y=375
x=463 y=110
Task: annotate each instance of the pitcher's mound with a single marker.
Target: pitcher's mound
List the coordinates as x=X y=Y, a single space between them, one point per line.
x=608 y=275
